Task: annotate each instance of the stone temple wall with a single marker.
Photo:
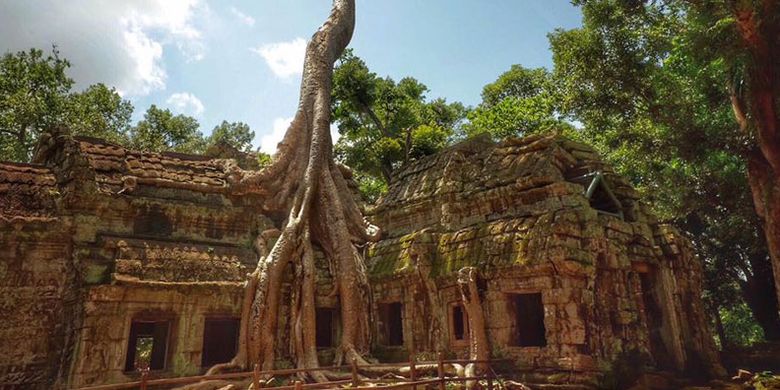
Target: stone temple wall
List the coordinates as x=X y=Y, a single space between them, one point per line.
x=95 y=237
x=99 y=243
x=35 y=298
x=611 y=282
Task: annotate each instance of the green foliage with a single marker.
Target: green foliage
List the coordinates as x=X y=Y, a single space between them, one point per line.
x=520 y=102
x=739 y=326
x=35 y=95
x=518 y=82
x=428 y=139
x=99 y=112
x=263 y=159
x=33 y=90
x=237 y=135
x=370 y=187
x=765 y=381
x=161 y=131
x=384 y=124
x=635 y=77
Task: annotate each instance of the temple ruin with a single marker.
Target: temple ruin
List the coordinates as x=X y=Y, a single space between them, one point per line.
x=111 y=257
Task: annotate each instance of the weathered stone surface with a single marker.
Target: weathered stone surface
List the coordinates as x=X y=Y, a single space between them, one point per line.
x=518 y=211
x=95 y=236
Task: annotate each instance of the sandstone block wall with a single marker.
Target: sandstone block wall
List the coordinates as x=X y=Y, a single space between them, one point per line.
x=94 y=236
x=35 y=277
x=612 y=282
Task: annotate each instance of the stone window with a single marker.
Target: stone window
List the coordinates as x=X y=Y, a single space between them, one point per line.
x=391 y=332
x=600 y=195
x=459 y=325
x=528 y=320
x=220 y=340
x=148 y=345
x=326 y=327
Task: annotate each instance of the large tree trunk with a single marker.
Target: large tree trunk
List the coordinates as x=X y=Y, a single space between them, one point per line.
x=765 y=187
x=754 y=289
x=755 y=108
x=310 y=189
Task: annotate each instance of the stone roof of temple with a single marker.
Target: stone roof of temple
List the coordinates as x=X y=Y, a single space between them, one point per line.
x=500 y=204
x=116 y=167
x=474 y=175
x=27 y=191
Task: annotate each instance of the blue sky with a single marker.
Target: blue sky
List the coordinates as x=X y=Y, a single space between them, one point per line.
x=240 y=60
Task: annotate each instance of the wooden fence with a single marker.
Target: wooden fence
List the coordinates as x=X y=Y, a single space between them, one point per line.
x=413 y=381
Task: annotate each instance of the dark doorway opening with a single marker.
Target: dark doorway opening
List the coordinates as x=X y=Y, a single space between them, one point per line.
x=220 y=340
x=603 y=200
x=148 y=345
x=325 y=327
x=391 y=327
x=529 y=320
x=459 y=323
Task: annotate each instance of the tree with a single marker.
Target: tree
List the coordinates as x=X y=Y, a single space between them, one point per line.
x=99 y=112
x=234 y=140
x=520 y=102
x=744 y=36
x=236 y=134
x=632 y=75
x=32 y=98
x=384 y=124
x=162 y=131
x=308 y=188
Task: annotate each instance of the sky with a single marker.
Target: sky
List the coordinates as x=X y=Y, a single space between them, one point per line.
x=241 y=60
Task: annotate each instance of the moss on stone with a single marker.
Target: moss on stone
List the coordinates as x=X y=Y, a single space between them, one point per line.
x=183 y=366
x=95 y=274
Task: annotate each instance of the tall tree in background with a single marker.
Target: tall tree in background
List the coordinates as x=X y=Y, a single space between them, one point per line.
x=234 y=140
x=99 y=112
x=161 y=131
x=745 y=35
x=521 y=101
x=633 y=76
x=33 y=90
x=384 y=124
x=236 y=134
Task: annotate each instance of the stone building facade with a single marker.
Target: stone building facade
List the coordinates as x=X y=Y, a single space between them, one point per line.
x=575 y=271
x=111 y=258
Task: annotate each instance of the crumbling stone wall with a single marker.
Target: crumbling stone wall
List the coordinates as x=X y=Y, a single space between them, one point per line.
x=35 y=277
x=611 y=282
x=98 y=235
x=94 y=236
x=103 y=338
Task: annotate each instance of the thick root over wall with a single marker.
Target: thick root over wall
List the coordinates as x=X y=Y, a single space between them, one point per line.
x=310 y=189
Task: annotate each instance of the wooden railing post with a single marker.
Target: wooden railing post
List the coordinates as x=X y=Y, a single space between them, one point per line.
x=256 y=376
x=412 y=370
x=144 y=377
x=441 y=371
x=298 y=385
x=355 y=379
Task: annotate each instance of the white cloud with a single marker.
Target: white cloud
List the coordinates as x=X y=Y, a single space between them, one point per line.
x=334 y=133
x=120 y=43
x=186 y=103
x=242 y=17
x=269 y=142
x=284 y=58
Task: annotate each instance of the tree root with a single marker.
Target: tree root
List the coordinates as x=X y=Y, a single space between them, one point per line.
x=311 y=190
